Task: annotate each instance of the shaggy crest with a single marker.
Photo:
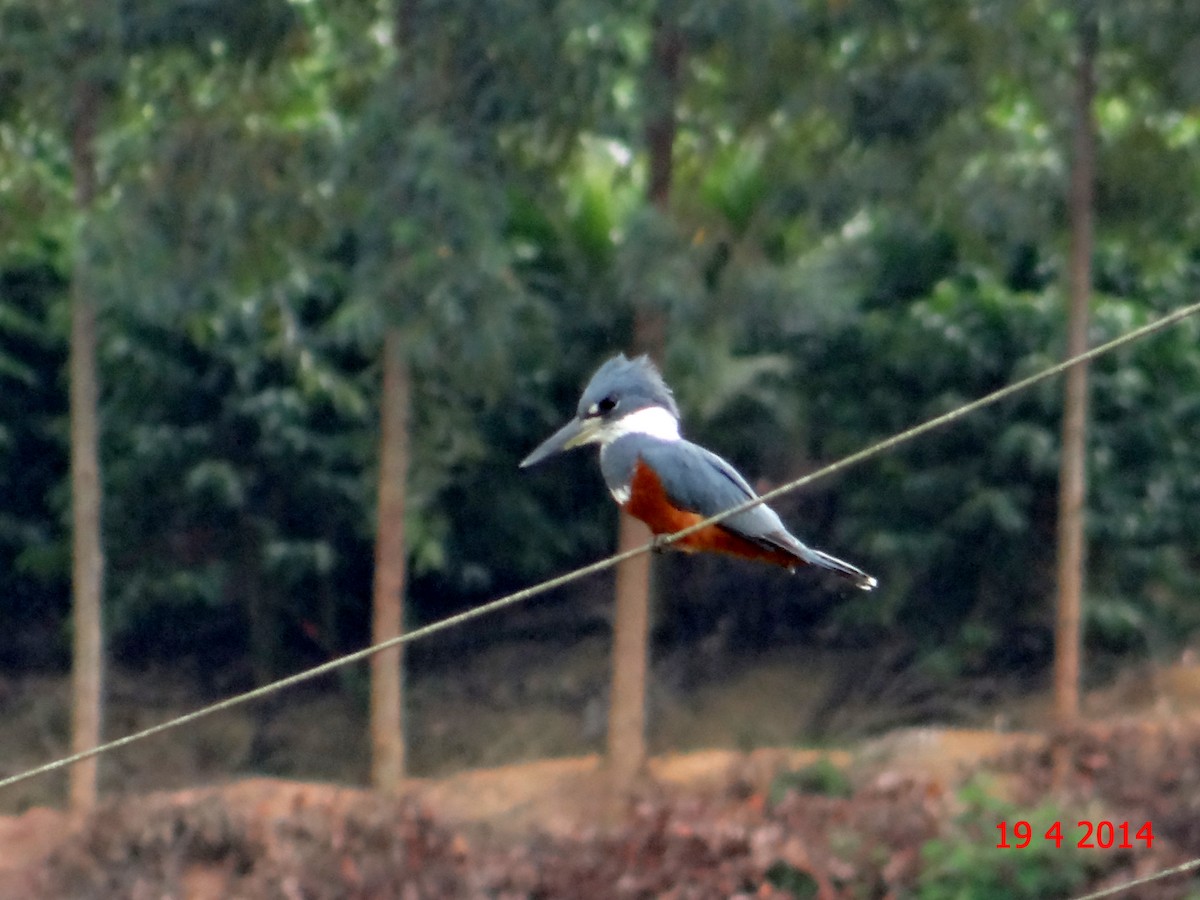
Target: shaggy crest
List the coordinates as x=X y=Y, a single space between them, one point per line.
x=637 y=381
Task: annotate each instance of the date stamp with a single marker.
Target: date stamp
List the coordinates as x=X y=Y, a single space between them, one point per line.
x=1103 y=835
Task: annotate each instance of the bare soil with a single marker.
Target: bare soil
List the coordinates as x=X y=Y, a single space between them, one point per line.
x=507 y=760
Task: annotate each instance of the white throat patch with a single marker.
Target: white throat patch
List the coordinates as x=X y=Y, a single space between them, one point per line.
x=653 y=421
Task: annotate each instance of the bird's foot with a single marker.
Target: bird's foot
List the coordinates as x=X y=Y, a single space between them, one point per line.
x=659 y=544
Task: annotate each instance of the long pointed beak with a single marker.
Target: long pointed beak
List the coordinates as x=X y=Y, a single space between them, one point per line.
x=574 y=434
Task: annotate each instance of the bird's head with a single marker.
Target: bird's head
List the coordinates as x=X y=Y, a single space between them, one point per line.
x=625 y=396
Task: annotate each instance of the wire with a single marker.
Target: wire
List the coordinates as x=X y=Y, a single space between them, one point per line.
x=607 y=563
x=936 y=422
x=1145 y=879
x=330 y=666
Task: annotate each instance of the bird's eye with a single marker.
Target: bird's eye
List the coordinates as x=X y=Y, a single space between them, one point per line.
x=607 y=405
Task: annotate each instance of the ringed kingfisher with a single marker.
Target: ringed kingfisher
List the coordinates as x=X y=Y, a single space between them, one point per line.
x=670 y=483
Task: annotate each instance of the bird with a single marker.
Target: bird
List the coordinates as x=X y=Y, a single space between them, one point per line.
x=656 y=475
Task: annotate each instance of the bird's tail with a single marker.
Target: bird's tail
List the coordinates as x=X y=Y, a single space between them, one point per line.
x=823 y=560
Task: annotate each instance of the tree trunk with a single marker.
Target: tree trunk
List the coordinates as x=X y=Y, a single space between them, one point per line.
x=662 y=92
x=87 y=560
x=1072 y=476
x=257 y=594
x=631 y=623
x=631 y=651
x=387 y=614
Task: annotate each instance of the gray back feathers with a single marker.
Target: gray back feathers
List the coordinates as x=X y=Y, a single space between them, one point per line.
x=694 y=479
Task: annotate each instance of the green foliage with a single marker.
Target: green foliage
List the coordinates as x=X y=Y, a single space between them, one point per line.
x=966 y=862
x=787 y=878
x=255 y=30
x=865 y=231
x=962 y=522
x=429 y=257
x=822 y=777
x=33 y=553
x=252 y=429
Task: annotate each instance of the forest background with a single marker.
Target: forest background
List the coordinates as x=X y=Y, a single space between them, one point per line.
x=270 y=220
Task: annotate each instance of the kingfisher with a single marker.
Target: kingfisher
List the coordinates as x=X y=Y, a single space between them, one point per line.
x=670 y=483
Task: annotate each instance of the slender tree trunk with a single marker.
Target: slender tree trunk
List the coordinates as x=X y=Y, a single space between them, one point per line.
x=259 y=599
x=87 y=559
x=388 y=765
x=631 y=624
x=631 y=651
x=1072 y=477
x=662 y=93
x=387 y=615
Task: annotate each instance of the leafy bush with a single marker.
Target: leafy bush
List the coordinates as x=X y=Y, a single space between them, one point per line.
x=966 y=863
x=822 y=777
x=959 y=525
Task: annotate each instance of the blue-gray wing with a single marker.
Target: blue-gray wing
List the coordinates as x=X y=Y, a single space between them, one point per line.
x=699 y=481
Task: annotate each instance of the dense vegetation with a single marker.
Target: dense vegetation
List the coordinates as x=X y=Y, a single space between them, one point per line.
x=867 y=228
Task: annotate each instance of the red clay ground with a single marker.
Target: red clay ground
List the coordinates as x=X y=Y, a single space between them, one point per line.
x=711 y=821
x=714 y=820
x=560 y=798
